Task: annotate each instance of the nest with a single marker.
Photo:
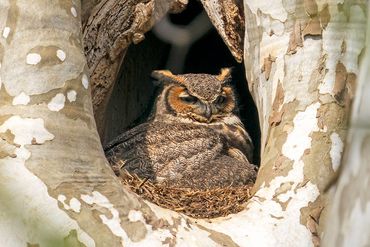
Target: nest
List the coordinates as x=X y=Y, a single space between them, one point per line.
x=196 y=203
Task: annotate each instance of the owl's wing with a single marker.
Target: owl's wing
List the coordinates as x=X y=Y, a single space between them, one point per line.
x=121 y=152
x=164 y=150
x=237 y=139
x=127 y=135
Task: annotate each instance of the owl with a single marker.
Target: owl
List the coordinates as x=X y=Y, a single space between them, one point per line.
x=194 y=137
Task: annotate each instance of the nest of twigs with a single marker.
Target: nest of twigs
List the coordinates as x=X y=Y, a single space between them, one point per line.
x=196 y=203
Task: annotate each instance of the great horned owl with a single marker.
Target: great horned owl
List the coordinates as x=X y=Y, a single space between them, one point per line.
x=194 y=137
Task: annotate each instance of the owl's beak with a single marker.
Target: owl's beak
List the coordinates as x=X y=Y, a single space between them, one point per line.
x=208 y=111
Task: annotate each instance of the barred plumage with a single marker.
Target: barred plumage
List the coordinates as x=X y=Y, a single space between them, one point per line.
x=194 y=137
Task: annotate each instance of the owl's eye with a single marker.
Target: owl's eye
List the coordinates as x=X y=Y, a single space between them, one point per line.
x=189 y=99
x=220 y=100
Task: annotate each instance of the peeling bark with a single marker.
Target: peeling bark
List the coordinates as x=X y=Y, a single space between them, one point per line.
x=303 y=114
x=349 y=216
x=56 y=187
x=46 y=106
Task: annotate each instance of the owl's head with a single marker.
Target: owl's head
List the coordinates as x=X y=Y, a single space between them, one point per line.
x=199 y=97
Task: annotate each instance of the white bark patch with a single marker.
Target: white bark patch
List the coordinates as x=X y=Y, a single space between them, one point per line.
x=297 y=70
x=71 y=95
x=114 y=223
x=74 y=11
x=61 y=55
x=270 y=25
x=33 y=58
x=134 y=215
x=57 y=103
x=74 y=204
x=85 y=81
x=273 y=8
x=40 y=216
x=6 y=32
x=21 y=99
x=163 y=213
x=193 y=236
x=336 y=150
x=299 y=139
x=22 y=153
x=340 y=30
x=185 y=236
x=265 y=222
x=24 y=129
x=61 y=199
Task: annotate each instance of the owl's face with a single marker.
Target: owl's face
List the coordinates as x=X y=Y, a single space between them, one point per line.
x=199 y=97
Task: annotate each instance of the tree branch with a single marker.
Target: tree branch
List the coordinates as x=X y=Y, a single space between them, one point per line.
x=111 y=28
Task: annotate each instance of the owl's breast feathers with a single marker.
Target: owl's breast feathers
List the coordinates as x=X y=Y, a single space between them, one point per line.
x=184 y=154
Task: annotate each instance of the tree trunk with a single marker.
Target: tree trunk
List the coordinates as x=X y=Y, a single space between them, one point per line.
x=56 y=188
x=111 y=27
x=301 y=60
x=349 y=218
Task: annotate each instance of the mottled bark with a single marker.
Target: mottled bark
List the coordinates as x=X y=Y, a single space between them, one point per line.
x=55 y=184
x=349 y=218
x=56 y=187
x=112 y=26
x=301 y=60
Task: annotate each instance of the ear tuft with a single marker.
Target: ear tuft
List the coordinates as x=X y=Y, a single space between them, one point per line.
x=225 y=74
x=167 y=76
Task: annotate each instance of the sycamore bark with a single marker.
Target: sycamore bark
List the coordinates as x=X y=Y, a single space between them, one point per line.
x=349 y=216
x=56 y=188
x=302 y=61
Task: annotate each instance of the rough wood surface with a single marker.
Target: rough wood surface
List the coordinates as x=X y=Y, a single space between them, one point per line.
x=228 y=18
x=87 y=7
x=110 y=29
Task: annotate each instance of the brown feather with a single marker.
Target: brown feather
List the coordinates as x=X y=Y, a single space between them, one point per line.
x=196 y=144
